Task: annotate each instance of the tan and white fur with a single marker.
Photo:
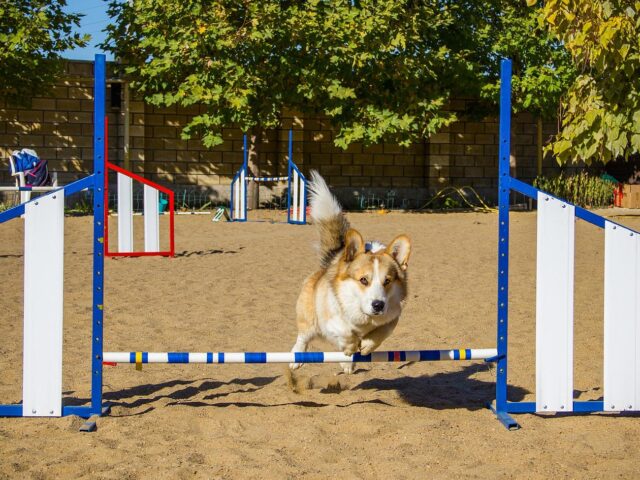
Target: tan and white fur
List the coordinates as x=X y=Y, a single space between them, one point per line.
x=355 y=300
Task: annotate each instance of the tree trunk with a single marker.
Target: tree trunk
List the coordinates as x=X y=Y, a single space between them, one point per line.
x=513 y=161
x=539 y=150
x=254 y=140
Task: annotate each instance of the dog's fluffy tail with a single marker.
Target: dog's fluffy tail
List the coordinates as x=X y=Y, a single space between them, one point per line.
x=327 y=214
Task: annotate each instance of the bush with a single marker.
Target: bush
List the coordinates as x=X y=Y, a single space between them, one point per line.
x=581 y=189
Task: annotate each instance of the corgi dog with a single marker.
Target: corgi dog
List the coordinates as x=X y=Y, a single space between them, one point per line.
x=355 y=300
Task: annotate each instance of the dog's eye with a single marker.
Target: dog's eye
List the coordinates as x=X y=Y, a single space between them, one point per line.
x=387 y=281
x=364 y=281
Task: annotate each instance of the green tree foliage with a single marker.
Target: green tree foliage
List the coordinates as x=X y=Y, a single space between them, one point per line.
x=601 y=117
x=380 y=69
x=32 y=35
x=542 y=68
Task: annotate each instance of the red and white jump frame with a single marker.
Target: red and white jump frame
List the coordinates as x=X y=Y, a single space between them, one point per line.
x=125 y=212
x=125 y=215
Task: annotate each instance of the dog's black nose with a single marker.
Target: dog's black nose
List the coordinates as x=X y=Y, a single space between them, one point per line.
x=378 y=305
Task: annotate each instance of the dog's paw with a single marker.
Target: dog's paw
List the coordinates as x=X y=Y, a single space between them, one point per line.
x=367 y=346
x=348 y=368
x=295 y=366
x=351 y=348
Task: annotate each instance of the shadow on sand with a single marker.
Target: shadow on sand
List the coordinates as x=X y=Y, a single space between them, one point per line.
x=446 y=390
x=204 y=253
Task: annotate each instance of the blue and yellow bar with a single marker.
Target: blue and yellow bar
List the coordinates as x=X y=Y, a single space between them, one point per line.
x=139 y=358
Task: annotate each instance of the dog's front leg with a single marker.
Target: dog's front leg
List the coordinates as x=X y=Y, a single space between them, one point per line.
x=302 y=343
x=374 y=338
x=349 y=345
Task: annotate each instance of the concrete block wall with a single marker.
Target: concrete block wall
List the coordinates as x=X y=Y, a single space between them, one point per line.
x=59 y=126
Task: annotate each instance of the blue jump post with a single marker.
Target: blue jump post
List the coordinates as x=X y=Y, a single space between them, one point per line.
x=504 y=191
x=98 y=233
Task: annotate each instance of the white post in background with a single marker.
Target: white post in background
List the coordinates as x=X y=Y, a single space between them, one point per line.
x=43 y=306
x=554 y=305
x=294 y=196
x=125 y=213
x=243 y=194
x=151 y=220
x=236 y=190
x=301 y=209
x=25 y=195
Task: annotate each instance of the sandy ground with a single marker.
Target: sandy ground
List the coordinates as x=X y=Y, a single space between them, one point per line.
x=233 y=287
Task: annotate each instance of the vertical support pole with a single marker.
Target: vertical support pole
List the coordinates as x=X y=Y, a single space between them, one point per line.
x=127 y=128
x=289 y=168
x=151 y=220
x=294 y=207
x=242 y=195
x=504 y=190
x=25 y=195
x=234 y=198
x=172 y=240
x=302 y=204
x=243 y=180
x=125 y=213
x=98 y=232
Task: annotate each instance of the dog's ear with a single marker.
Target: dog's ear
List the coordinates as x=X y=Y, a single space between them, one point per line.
x=353 y=244
x=400 y=249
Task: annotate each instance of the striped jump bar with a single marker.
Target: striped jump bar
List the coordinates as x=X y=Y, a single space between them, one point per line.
x=266 y=179
x=28 y=188
x=299 y=357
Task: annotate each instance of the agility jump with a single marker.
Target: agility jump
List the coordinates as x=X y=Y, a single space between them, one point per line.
x=296 y=188
x=42 y=368
x=43 y=280
x=554 y=298
x=125 y=211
